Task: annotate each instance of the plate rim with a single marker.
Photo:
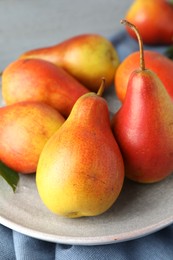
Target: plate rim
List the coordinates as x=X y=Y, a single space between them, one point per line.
x=87 y=241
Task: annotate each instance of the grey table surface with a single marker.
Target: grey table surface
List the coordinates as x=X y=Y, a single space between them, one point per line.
x=30 y=24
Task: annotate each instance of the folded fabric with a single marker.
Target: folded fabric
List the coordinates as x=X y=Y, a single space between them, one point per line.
x=157 y=246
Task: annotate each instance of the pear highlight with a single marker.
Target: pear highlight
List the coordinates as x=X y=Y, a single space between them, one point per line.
x=143 y=126
x=81 y=171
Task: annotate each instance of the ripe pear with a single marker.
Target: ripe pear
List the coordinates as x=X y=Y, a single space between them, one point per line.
x=157 y=62
x=81 y=170
x=143 y=126
x=153 y=19
x=88 y=57
x=25 y=127
x=39 y=80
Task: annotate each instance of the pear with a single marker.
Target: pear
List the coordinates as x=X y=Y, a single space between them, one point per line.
x=154 y=60
x=25 y=127
x=143 y=126
x=87 y=57
x=153 y=21
x=81 y=171
x=39 y=80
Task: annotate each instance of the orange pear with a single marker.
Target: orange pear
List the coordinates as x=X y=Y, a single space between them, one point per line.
x=157 y=62
x=39 y=80
x=80 y=170
x=25 y=127
x=88 y=57
x=153 y=19
x=143 y=126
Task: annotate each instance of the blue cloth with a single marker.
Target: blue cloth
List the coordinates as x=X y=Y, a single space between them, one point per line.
x=157 y=246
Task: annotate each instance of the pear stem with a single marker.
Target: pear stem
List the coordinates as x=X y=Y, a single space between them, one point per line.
x=141 y=48
x=101 y=88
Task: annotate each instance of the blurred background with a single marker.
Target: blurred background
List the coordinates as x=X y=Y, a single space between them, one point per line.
x=27 y=24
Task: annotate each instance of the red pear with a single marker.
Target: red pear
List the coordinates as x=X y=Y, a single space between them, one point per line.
x=25 y=127
x=39 y=80
x=143 y=126
x=153 y=19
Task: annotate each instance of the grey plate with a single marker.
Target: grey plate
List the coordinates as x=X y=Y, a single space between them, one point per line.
x=139 y=210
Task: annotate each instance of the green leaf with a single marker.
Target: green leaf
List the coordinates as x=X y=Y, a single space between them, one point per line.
x=170 y=2
x=169 y=52
x=10 y=176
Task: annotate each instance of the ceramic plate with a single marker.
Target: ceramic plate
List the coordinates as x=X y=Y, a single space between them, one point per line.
x=139 y=210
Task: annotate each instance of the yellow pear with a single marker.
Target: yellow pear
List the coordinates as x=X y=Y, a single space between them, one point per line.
x=81 y=171
x=87 y=57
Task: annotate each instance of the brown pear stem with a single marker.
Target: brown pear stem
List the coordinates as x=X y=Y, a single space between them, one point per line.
x=1 y=73
x=141 y=48
x=101 y=88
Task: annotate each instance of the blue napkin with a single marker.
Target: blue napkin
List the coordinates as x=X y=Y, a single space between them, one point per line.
x=157 y=246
